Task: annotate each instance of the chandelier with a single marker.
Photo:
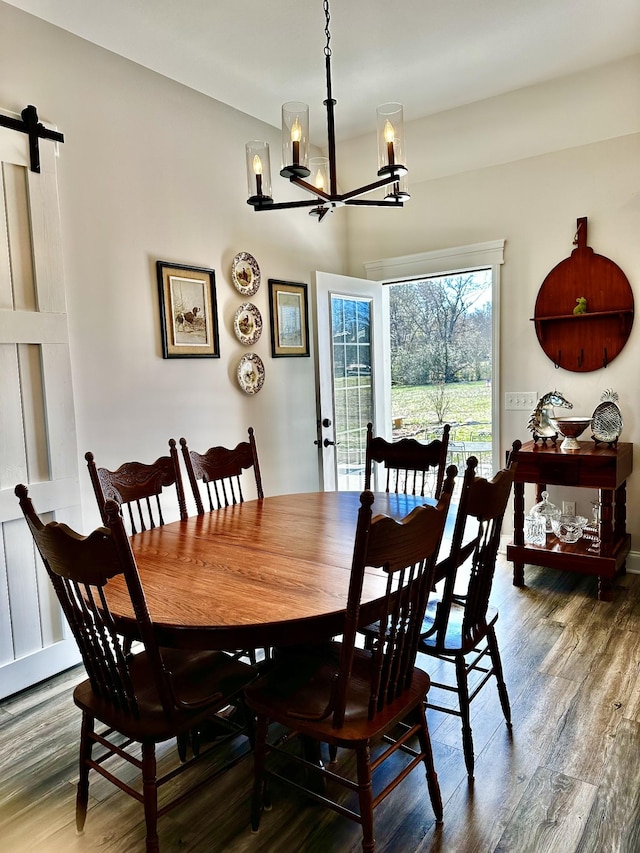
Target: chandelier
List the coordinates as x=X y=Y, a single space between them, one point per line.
x=321 y=172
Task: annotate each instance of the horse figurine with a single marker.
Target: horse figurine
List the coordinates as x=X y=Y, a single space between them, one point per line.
x=539 y=424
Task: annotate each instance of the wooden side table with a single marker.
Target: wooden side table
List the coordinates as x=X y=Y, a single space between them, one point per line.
x=594 y=467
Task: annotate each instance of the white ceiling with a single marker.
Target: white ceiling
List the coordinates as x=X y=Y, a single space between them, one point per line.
x=431 y=55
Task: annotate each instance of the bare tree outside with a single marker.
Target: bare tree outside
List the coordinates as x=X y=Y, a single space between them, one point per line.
x=441 y=355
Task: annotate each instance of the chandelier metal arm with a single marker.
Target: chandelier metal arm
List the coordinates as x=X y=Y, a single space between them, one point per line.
x=300 y=182
x=383 y=182
x=375 y=202
x=283 y=205
x=344 y=197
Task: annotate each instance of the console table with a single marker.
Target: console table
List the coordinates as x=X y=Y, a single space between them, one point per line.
x=594 y=467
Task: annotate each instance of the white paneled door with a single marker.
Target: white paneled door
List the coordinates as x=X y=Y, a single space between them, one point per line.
x=37 y=422
x=354 y=380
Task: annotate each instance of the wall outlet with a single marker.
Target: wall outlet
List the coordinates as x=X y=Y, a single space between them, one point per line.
x=521 y=400
x=568 y=507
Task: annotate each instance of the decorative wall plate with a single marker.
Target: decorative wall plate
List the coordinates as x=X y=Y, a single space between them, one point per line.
x=245 y=273
x=247 y=324
x=251 y=373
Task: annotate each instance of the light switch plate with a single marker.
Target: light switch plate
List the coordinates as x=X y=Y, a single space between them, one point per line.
x=520 y=400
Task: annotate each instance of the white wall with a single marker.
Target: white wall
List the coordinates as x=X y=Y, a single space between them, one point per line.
x=153 y=170
x=545 y=182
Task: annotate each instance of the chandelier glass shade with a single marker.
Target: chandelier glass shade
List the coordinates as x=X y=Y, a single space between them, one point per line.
x=318 y=175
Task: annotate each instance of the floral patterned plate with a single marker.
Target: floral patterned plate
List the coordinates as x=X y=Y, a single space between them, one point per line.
x=247 y=324
x=251 y=373
x=245 y=273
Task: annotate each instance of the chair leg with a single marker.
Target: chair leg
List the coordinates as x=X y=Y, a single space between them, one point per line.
x=150 y=796
x=82 y=797
x=432 y=777
x=181 y=742
x=259 y=756
x=497 y=669
x=463 y=698
x=365 y=796
x=249 y=721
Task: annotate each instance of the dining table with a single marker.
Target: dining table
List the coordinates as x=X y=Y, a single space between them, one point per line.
x=268 y=572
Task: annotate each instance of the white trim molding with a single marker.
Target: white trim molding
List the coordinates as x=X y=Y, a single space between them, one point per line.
x=441 y=261
x=633 y=562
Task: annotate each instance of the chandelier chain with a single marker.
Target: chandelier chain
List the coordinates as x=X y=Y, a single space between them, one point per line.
x=327 y=49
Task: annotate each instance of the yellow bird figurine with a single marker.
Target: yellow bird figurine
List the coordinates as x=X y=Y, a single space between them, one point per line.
x=581 y=307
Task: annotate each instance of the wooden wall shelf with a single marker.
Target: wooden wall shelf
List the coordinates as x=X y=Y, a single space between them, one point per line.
x=584 y=342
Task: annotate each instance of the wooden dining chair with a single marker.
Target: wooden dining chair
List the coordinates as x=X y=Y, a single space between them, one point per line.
x=411 y=466
x=459 y=627
x=138 y=488
x=216 y=477
x=358 y=699
x=142 y=699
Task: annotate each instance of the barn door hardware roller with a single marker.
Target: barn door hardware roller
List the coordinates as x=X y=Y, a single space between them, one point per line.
x=34 y=129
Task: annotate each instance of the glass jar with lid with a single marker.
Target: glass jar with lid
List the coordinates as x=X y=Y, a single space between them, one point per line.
x=547 y=510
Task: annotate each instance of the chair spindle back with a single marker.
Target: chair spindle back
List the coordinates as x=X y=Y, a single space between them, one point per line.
x=138 y=487
x=410 y=465
x=406 y=551
x=482 y=507
x=220 y=471
x=80 y=568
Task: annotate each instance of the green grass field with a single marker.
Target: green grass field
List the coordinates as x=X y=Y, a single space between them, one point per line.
x=464 y=405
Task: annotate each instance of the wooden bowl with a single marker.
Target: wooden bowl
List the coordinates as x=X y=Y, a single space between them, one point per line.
x=570 y=427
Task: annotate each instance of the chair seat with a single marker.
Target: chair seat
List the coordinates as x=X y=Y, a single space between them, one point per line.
x=310 y=677
x=454 y=641
x=197 y=677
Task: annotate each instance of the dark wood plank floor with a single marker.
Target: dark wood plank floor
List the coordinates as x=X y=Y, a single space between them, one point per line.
x=567 y=778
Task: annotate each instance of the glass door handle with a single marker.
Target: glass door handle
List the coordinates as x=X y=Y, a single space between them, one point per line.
x=328 y=443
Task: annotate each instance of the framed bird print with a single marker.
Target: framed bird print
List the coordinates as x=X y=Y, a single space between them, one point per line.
x=188 y=311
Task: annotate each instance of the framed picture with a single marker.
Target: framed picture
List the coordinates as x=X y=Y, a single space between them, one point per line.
x=289 y=318
x=188 y=311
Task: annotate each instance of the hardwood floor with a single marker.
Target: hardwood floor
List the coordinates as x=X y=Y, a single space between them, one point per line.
x=566 y=780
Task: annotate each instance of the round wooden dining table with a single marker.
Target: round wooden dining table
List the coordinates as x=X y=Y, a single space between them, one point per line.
x=267 y=572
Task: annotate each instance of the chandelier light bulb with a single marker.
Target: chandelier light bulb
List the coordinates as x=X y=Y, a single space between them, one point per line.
x=257 y=170
x=389 y=136
x=296 y=136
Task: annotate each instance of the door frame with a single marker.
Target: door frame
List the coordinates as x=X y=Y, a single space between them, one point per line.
x=475 y=256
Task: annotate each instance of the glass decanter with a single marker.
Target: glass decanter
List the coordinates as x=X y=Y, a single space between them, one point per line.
x=535 y=529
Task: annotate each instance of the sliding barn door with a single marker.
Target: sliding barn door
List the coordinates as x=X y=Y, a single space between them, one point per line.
x=37 y=422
